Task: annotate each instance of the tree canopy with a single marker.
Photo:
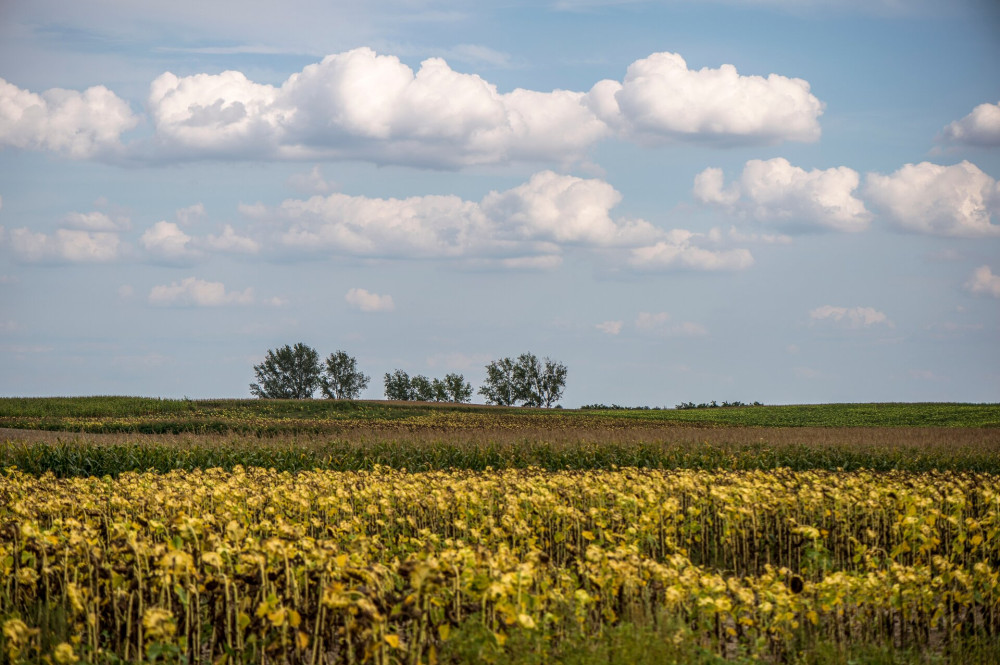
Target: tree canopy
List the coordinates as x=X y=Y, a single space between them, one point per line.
x=287 y=373
x=528 y=380
x=341 y=378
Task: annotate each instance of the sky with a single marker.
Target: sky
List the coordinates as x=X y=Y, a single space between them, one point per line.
x=785 y=201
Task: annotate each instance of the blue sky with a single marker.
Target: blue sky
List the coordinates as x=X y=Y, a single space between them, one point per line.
x=784 y=201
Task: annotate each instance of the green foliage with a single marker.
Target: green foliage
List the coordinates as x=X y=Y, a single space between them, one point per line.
x=500 y=387
x=398 y=386
x=528 y=380
x=287 y=373
x=341 y=378
x=456 y=389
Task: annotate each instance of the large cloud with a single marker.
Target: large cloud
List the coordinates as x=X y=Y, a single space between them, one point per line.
x=76 y=124
x=957 y=200
x=980 y=128
x=774 y=191
x=362 y=105
x=523 y=227
x=662 y=99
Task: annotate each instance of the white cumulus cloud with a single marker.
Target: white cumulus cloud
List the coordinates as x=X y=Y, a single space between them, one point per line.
x=980 y=128
x=958 y=200
x=369 y=302
x=76 y=124
x=610 y=327
x=97 y=221
x=230 y=241
x=526 y=227
x=776 y=192
x=678 y=251
x=662 y=99
x=984 y=282
x=192 y=291
x=70 y=245
x=166 y=241
x=851 y=317
x=363 y=105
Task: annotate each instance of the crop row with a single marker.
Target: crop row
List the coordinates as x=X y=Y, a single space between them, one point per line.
x=385 y=566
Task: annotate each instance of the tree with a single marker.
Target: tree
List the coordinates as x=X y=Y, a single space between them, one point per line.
x=500 y=386
x=527 y=380
x=397 y=386
x=287 y=373
x=456 y=388
x=341 y=378
x=422 y=389
x=539 y=383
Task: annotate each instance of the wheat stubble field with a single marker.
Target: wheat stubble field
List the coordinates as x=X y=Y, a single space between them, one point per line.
x=348 y=532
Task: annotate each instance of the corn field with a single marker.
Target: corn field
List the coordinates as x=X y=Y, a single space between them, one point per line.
x=388 y=566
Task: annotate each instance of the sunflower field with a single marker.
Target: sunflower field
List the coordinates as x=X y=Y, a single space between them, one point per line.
x=253 y=565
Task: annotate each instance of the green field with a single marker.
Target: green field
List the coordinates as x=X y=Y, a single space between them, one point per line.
x=145 y=415
x=316 y=531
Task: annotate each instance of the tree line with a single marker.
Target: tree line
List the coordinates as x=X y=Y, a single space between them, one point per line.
x=296 y=372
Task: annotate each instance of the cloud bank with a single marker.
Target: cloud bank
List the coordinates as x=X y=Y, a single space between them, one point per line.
x=360 y=105
x=526 y=227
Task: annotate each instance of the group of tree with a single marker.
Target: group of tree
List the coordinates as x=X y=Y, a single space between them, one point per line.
x=401 y=386
x=714 y=405
x=295 y=372
x=527 y=381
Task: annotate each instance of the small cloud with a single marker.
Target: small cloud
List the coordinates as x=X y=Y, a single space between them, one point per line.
x=125 y=291
x=97 y=221
x=369 y=302
x=199 y=293
x=276 y=301
x=981 y=128
x=190 y=215
x=806 y=373
x=70 y=245
x=8 y=326
x=311 y=183
x=792 y=350
x=610 y=327
x=984 y=282
x=8 y=279
x=851 y=317
x=166 y=241
x=229 y=241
